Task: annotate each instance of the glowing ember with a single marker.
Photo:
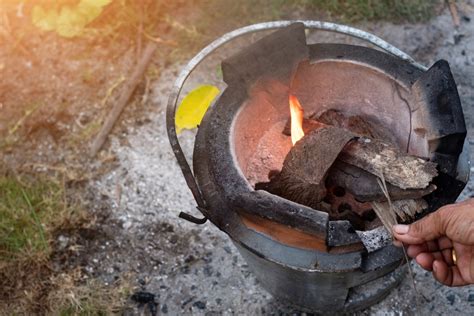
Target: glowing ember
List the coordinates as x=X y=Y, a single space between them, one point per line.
x=296 y=112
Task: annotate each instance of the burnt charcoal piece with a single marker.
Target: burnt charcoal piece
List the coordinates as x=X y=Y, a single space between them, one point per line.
x=341 y=233
x=302 y=178
x=308 y=126
x=356 y=124
x=143 y=297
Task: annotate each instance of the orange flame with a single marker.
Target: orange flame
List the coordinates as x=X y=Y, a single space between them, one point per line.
x=296 y=112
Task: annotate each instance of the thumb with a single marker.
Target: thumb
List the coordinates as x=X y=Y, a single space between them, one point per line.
x=428 y=228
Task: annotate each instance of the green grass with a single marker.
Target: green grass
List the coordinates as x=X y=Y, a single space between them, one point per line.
x=375 y=10
x=29 y=209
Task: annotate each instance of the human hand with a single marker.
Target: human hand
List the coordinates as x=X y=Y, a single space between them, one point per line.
x=432 y=239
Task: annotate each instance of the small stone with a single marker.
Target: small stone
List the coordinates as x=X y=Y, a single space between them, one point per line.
x=127 y=225
x=62 y=242
x=143 y=297
x=208 y=271
x=199 y=304
x=470 y=297
x=451 y=297
x=164 y=309
x=190 y=258
x=174 y=239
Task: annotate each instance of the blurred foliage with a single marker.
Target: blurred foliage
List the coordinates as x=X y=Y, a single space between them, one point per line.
x=94 y=19
x=374 y=10
x=66 y=20
x=107 y=18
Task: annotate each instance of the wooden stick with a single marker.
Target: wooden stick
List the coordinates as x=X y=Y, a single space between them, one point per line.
x=454 y=12
x=127 y=92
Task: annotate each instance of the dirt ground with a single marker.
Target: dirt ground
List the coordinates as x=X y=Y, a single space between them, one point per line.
x=137 y=189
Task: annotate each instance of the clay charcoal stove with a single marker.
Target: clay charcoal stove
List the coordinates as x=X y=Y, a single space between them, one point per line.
x=302 y=196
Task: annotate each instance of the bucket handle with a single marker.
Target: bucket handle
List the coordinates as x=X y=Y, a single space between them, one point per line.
x=206 y=51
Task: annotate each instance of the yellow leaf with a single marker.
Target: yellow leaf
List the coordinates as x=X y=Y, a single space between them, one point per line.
x=193 y=107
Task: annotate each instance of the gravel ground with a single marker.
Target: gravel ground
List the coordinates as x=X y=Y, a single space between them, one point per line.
x=196 y=269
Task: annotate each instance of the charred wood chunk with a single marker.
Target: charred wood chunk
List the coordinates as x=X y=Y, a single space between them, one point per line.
x=381 y=159
x=308 y=126
x=341 y=233
x=302 y=178
x=365 y=187
x=356 y=124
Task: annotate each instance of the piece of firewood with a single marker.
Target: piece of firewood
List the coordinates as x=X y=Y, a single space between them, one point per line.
x=454 y=12
x=364 y=187
x=404 y=209
x=302 y=178
x=125 y=95
x=354 y=123
x=399 y=169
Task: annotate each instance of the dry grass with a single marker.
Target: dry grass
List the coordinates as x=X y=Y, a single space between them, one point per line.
x=39 y=291
x=33 y=209
x=73 y=297
x=24 y=284
x=398 y=11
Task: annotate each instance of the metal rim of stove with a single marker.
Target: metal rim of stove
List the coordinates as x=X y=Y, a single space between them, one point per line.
x=226 y=38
